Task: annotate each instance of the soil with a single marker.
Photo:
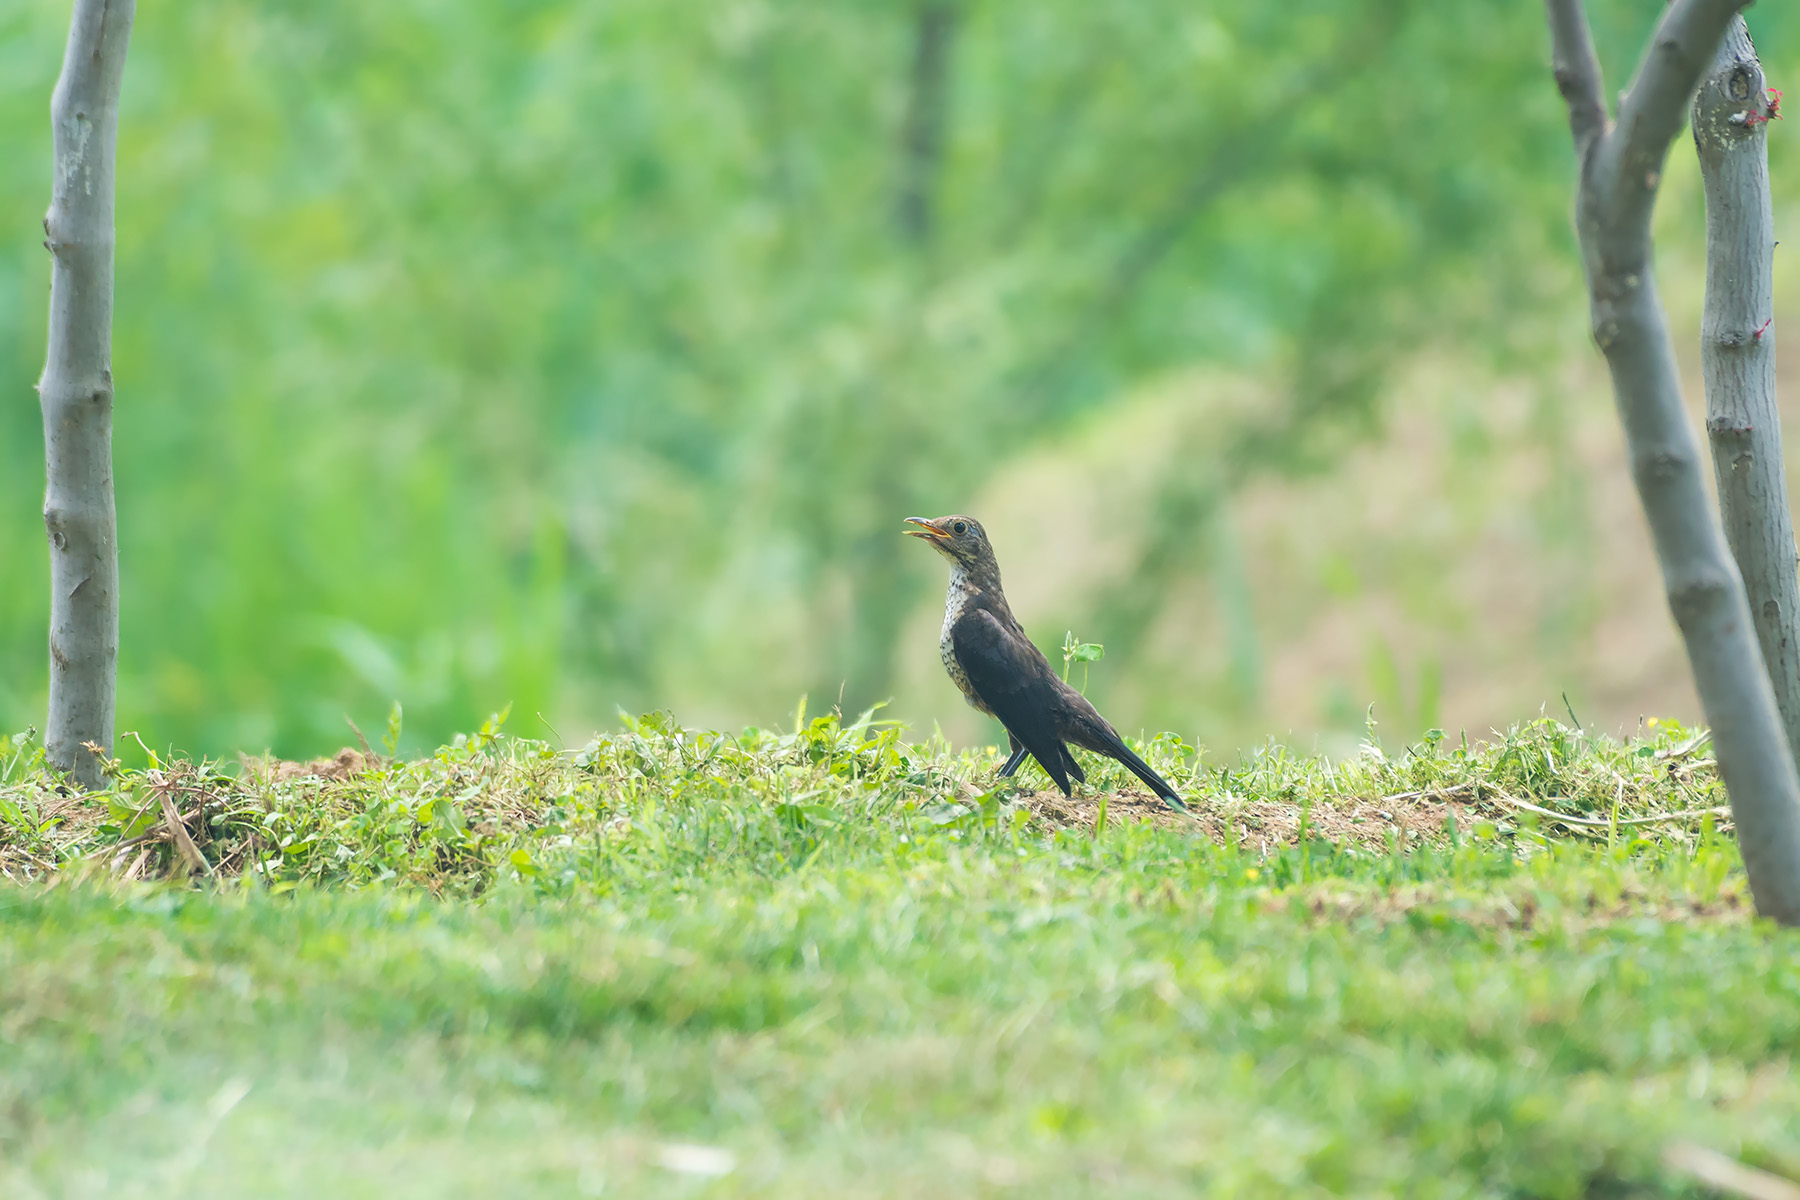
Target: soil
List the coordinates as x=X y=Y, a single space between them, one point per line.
x=1266 y=825
x=345 y=764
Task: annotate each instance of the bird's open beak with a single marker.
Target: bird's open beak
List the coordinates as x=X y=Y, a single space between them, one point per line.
x=925 y=530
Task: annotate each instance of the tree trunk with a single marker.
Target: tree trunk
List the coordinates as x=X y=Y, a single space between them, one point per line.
x=922 y=143
x=1737 y=351
x=76 y=390
x=1620 y=167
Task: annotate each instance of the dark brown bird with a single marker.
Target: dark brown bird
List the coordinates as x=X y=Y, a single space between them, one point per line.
x=1002 y=673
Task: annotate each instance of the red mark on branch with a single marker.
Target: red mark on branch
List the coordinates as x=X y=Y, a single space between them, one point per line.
x=1763 y=328
x=1751 y=120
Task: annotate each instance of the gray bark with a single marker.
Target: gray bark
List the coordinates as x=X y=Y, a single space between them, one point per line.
x=1737 y=353
x=1620 y=167
x=76 y=391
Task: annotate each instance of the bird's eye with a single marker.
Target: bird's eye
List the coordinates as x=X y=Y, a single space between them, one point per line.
x=960 y=528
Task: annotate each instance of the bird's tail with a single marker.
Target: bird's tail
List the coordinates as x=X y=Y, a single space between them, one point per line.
x=1117 y=748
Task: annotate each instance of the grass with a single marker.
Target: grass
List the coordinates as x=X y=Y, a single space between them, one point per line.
x=827 y=962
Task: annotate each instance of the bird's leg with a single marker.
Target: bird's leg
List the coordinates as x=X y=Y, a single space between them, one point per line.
x=1018 y=756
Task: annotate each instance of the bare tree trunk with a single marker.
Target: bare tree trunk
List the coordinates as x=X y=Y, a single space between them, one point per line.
x=1737 y=352
x=1620 y=167
x=922 y=143
x=76 y=389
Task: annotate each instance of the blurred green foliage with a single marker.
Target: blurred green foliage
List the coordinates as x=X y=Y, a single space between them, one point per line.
x=557 y=352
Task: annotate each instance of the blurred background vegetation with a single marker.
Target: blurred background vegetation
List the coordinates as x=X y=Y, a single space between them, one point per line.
x=583 y=355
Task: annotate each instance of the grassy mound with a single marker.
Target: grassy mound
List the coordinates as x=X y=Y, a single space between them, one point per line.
x=659 y=799
x=828 y=962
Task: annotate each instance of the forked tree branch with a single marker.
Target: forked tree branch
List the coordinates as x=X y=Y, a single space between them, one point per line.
x=1577 y=72
x=1654 y=107
x=1616 y=190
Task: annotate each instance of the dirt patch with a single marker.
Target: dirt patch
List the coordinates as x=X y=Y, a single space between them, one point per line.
x=1368 y=824
x=1517 y=907
x=345 y=764
x=1263 y=825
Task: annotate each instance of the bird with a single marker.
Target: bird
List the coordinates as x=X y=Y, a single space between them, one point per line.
x=1001 y=672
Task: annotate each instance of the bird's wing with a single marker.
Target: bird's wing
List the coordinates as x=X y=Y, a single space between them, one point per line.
x=1015 y=683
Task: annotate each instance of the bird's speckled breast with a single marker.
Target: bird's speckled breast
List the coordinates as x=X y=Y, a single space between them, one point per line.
x=955 y=600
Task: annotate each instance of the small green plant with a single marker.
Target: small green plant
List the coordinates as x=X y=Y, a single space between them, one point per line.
x=391 y=741
x=1076 y=651
x=20 y=753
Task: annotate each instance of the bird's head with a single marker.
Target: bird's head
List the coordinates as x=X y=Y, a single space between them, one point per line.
x=960 y=539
